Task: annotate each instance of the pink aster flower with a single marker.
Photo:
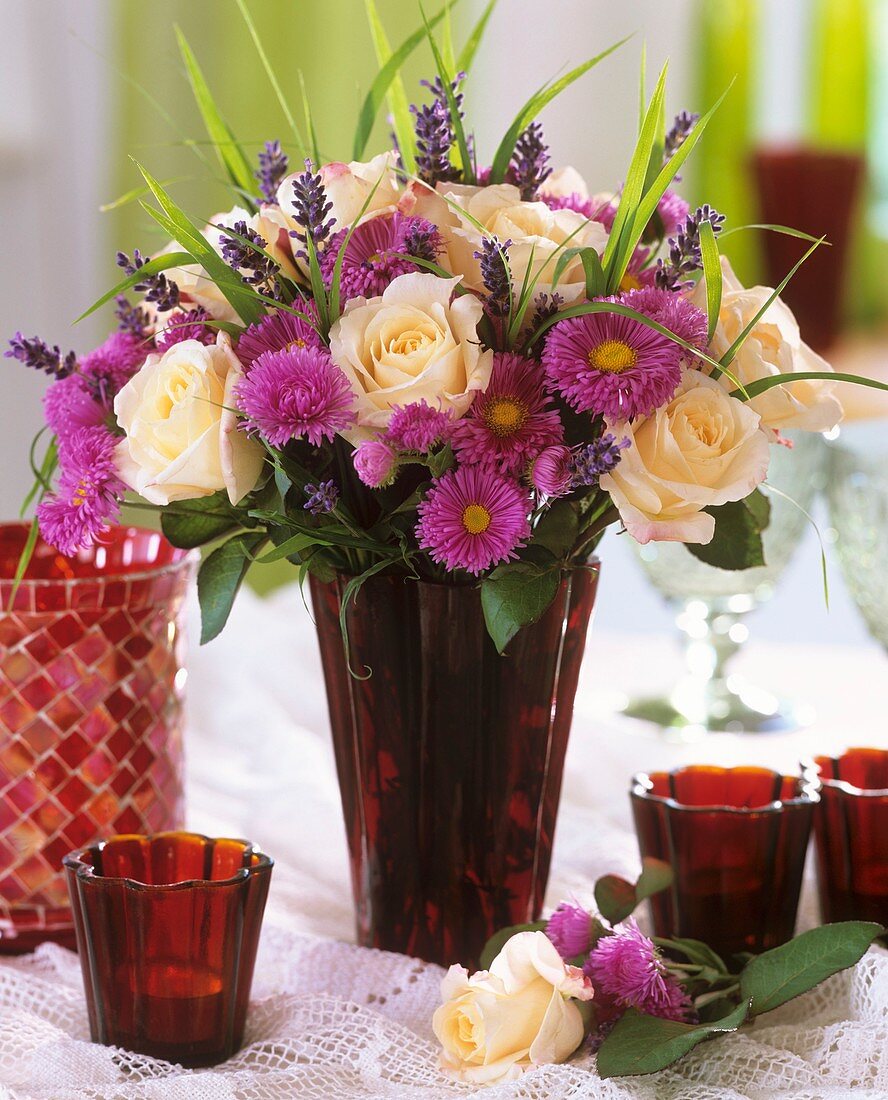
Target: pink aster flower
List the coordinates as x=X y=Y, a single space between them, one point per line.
x=71 y=404
x=278 y=331
x=552 y=471
x=294 y=394
x=417 y=427
x=628 y=967
x=378 y=252
x=186 y=326
x=672 y=311
x=639 y=272
x=611 y=365
x=375 y=462
x=473 y=518
x=88 y=493
x=511 y=421
x=113 y=363
x=570 y=929
x=672 y=211
x=574 y=201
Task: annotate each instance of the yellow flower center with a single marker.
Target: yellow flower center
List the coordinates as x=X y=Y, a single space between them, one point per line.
x=476 y=519
x=505 y=416
x=80 y=494
x=297 y=343
x=630 y=282
x=613 y=356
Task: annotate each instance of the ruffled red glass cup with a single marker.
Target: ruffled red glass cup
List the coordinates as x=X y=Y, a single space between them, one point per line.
x=167 y=929
x=736 y=840
x=851 y=835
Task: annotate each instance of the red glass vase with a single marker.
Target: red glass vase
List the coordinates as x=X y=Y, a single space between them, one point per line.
x=736 y=839
x=168 y=930
x=91 y=692
x=449 y=755
x=851 y=835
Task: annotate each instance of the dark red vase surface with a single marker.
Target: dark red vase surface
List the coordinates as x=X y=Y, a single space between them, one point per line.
x=91 y=691
x=167 y=931
x=851 y=834
x=450 y=756
x=736 y=840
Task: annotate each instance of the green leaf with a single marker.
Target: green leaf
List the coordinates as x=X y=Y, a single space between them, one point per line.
x=499 y=940
x=534 y=105
x=712 y=275
x=737 y=542
x=467 y=54
x=150 y=267
x=772 y=979
x=760 y=507
x=190 y=523
x=464 y=159
x=645 y=1044
x=402 y=120
x=615 y=898
x=558 y=528
x=309 y=122
x=384 y=78
x=219 y=579
x=786 y=230
x=695 y=951
x=230 y=154
x=272 y=77
x=656 y=876
x=513 y=596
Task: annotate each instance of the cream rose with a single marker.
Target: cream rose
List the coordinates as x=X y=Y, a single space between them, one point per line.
x=536 y=232
x=495 y=1024
x=348 y=187
x=704 y=448
x=181 y=439
x=411 y=343
x=773 y=347
x=564 y=182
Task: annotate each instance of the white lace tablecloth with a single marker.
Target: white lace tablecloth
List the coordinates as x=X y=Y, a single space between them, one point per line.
x=330 y=1020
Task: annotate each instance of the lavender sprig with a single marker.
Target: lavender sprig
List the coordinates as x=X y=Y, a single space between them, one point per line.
x=312 y=207
x=160 y=290
x=241 y=254
x=273 y=165
x=130 y=318
x=496 y=275
x=322 y=497
x=422 y=239
x=592 y=462
x=529 y=167
x=435 y=133
x=681 y=128
x=684 y=249
x=547 y=305
x=39 y=355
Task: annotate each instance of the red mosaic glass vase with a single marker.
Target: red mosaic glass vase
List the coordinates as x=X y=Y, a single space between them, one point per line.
x=91 y=690
x=449 y=756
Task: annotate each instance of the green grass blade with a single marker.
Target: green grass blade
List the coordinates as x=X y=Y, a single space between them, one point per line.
x=817 y=532
x=728 y=356
x=135 y=193
x=24 y=561
x=464 y=158
x=642 y=87
x=712 y=273
x=786 y=230
x=402 y=120
x=534 y=105
x=150 y=267
x=272 y=76
x=447 y=50
x=336 y=278
x=229 y=152
x=309 y=123
x=383 y=81
x=467 y=54
x=762 y=385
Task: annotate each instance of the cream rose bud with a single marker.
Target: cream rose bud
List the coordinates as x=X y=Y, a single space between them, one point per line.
x=411 y=343
x=181 y=435
x=702 y=449
x=773 y=347
x=564 y=182
x=495 y=1024
x=348 y=188
x=536 y=232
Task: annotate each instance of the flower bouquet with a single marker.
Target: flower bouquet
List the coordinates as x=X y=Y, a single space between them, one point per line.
x=431 y=380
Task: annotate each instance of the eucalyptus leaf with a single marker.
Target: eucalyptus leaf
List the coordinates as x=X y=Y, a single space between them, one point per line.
x=514 y=596
x=646 y=1044
x=499 y=940
x=219 y=579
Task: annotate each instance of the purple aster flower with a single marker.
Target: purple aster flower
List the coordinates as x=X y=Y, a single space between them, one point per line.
x=377 y=253
x=511 y=421
x=417 y=427
x=278 y=331
x=88 y=494
x=573 y=201
x=69 y=405
x=38 y=355
x=130 y=318
x=321 y=498
x=160 y=290
x=570 y=929
x=628 y=967
x=296 y=393
x=672 y=210
x=672 y=311
x=552 y=472
x=611 y=365
x=435 y=132
x=273 y=166
x=684 y=249
x=496 y=275
x=529 y=168
x=590 y=463
x=473 y=518
x=192 y=325
x=312 y=207
x=376 y=463
x=107 y=368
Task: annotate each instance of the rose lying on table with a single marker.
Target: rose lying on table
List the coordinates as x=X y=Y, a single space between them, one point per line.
x=582 y=978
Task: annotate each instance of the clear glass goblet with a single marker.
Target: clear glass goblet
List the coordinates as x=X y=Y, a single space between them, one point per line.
x=712 y=605
x=858 y=510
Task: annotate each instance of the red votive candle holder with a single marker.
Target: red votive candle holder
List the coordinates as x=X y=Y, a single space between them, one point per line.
x=167 y=930
x=851 y=835
x=736 y=840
